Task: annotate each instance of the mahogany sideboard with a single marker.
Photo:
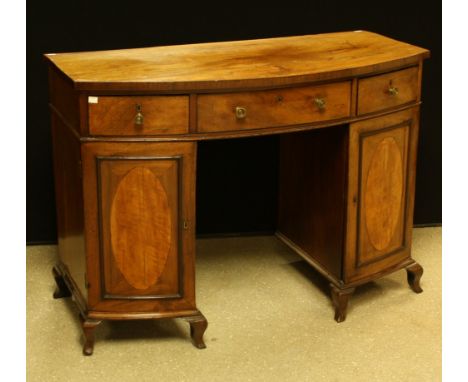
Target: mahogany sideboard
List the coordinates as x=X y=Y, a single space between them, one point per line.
x=125 y=127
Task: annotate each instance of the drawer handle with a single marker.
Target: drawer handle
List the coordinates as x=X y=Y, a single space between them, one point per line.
x=241 y=112
x=139 y=115
x=392 y=90
x=320 y=103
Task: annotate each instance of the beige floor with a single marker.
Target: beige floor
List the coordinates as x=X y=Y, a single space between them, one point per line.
x=270 y=319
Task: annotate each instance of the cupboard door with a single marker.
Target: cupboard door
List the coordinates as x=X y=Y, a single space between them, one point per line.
x=140 y=214
x=381 y=176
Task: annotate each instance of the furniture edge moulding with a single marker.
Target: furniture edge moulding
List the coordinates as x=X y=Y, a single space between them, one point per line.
x=216 y=86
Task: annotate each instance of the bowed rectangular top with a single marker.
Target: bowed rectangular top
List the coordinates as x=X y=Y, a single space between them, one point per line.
x=236 y=64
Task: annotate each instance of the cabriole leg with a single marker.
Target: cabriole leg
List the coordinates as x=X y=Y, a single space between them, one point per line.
x=88 y=327
x=340 y=298
x=414 y=273
x=198 y=325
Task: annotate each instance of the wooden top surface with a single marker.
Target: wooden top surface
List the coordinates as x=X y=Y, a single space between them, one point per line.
x=237 y=64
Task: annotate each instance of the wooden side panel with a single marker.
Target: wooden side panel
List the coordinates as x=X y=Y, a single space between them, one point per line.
x=69 y=202
x=64 y=98
x=141 y=256
x=312 y=194
x=161 y=115
x=381 y=192
x=281 y=107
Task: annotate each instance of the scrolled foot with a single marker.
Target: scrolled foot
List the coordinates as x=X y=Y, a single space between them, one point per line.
x=198 y=325
x=88 y=327
x=88 y=348
x=414 y=273
x=340 y=298
x=62 y=289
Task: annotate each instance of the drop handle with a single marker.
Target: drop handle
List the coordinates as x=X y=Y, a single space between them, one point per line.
x=320 y=103
x=392 y=90
x=241 y=112
x=138 y=116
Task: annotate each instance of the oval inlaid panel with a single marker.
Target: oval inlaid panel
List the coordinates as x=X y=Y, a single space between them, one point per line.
x=383 y=193
x=140 y=227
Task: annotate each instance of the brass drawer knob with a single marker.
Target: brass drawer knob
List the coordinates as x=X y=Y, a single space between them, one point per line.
x=392 y=90
x=320 y=103
x=139 y=115
x=241 y=112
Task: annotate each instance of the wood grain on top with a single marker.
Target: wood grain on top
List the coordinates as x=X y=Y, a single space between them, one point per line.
x=235 y=64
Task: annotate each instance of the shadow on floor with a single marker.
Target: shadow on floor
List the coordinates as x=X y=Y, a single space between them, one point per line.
x=126 y=329
x=363 y=293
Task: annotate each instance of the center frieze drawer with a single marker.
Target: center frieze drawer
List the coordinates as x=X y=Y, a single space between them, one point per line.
x=273 y=108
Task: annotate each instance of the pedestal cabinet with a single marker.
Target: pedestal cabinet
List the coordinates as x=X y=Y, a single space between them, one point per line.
x=380 y=180
x=139 y=202
x=138 y=220
x=125 y=127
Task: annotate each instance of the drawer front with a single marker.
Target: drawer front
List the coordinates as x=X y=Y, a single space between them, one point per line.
x=272 y=108
x=120 y=115
x=387 y=90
